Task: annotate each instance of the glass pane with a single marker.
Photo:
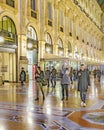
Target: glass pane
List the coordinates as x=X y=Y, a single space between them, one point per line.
x=13 y=29
x=10 y=3
x=0 y=25
x=31 y=33
x=60 y=44
x=5 y=23
x=48 y=39
x=9 y=25
x=61 y=18
x=49 y=11
x=33 y=4
x=69 y=47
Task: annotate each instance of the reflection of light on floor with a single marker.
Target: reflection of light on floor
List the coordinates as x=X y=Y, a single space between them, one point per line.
x=48 y=111
x=47 y=106
x=2 y=126
x=30 y=118
x=76 y=93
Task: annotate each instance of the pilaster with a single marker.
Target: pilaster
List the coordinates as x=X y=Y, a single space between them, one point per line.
x=22 y=55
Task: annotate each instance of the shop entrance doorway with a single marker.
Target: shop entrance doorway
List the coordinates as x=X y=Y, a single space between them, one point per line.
x=8 y=66
x=32 y=61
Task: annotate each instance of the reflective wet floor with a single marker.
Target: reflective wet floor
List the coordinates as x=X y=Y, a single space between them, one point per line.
x=19 y=110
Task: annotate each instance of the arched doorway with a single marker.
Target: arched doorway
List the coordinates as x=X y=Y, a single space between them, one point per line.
x=8 y=47
x=32 y=51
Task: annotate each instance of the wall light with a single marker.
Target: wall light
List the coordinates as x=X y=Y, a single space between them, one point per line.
x=1 y=39
x=30 y=45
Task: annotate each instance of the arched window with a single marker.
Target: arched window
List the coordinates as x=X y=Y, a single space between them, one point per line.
x=48 y=45
x=60 y=47
x=31 y=33
x=87 y=53
x=76 y=54
x=8 y=30
x=48 y=39
x=32 y=42
x=69 y=48
x=8 y=25
x=81 y=52
x=91 y=53
x=60 y=43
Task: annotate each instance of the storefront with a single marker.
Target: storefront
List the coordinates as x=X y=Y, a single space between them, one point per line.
x=8 y=50
x=32 y=51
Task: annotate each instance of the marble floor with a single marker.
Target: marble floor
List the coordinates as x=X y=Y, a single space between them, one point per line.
x=19 y=110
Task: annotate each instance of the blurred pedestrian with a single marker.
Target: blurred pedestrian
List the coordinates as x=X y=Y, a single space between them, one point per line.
x=47 y=77
x=39 y=76
x=83 y=83
x=22 y=76
x=65 y=81
x=53 y=78
x=94 y=73
x=98 y=73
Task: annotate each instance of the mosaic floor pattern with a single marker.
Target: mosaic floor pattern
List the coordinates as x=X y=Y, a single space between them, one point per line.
x=19 y=111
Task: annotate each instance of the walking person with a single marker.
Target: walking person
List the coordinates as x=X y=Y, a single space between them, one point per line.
x=39 y=76
x=22 y=76
x=83 y=83
x=53 y=78
x=65 y=81
x=98 y=74
x=94 y=73
x=71 y=75
x=47 y=77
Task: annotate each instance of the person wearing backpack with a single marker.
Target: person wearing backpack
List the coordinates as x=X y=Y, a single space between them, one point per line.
x=39 y=76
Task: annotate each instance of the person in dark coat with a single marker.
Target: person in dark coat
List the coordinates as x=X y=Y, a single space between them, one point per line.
x=65 y=83
x=47 y=77
x=53 y=78
x=22 y=76
x=83 y=83
x=98 y=74
x=39 y=76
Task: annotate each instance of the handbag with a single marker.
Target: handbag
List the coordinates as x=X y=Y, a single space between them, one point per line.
x=44 y=82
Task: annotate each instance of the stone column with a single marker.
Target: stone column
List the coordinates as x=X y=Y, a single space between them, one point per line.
x=41 y=51
x=22 y=58
x=55 y=49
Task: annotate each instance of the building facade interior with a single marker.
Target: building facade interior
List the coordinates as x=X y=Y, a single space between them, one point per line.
x=49 y=33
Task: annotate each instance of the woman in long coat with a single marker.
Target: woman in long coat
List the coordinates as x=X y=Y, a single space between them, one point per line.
x=83 y=83
x=22 y=76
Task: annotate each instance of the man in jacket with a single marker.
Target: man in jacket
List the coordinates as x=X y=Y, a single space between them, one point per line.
x=65 y=83
x=83 y=83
